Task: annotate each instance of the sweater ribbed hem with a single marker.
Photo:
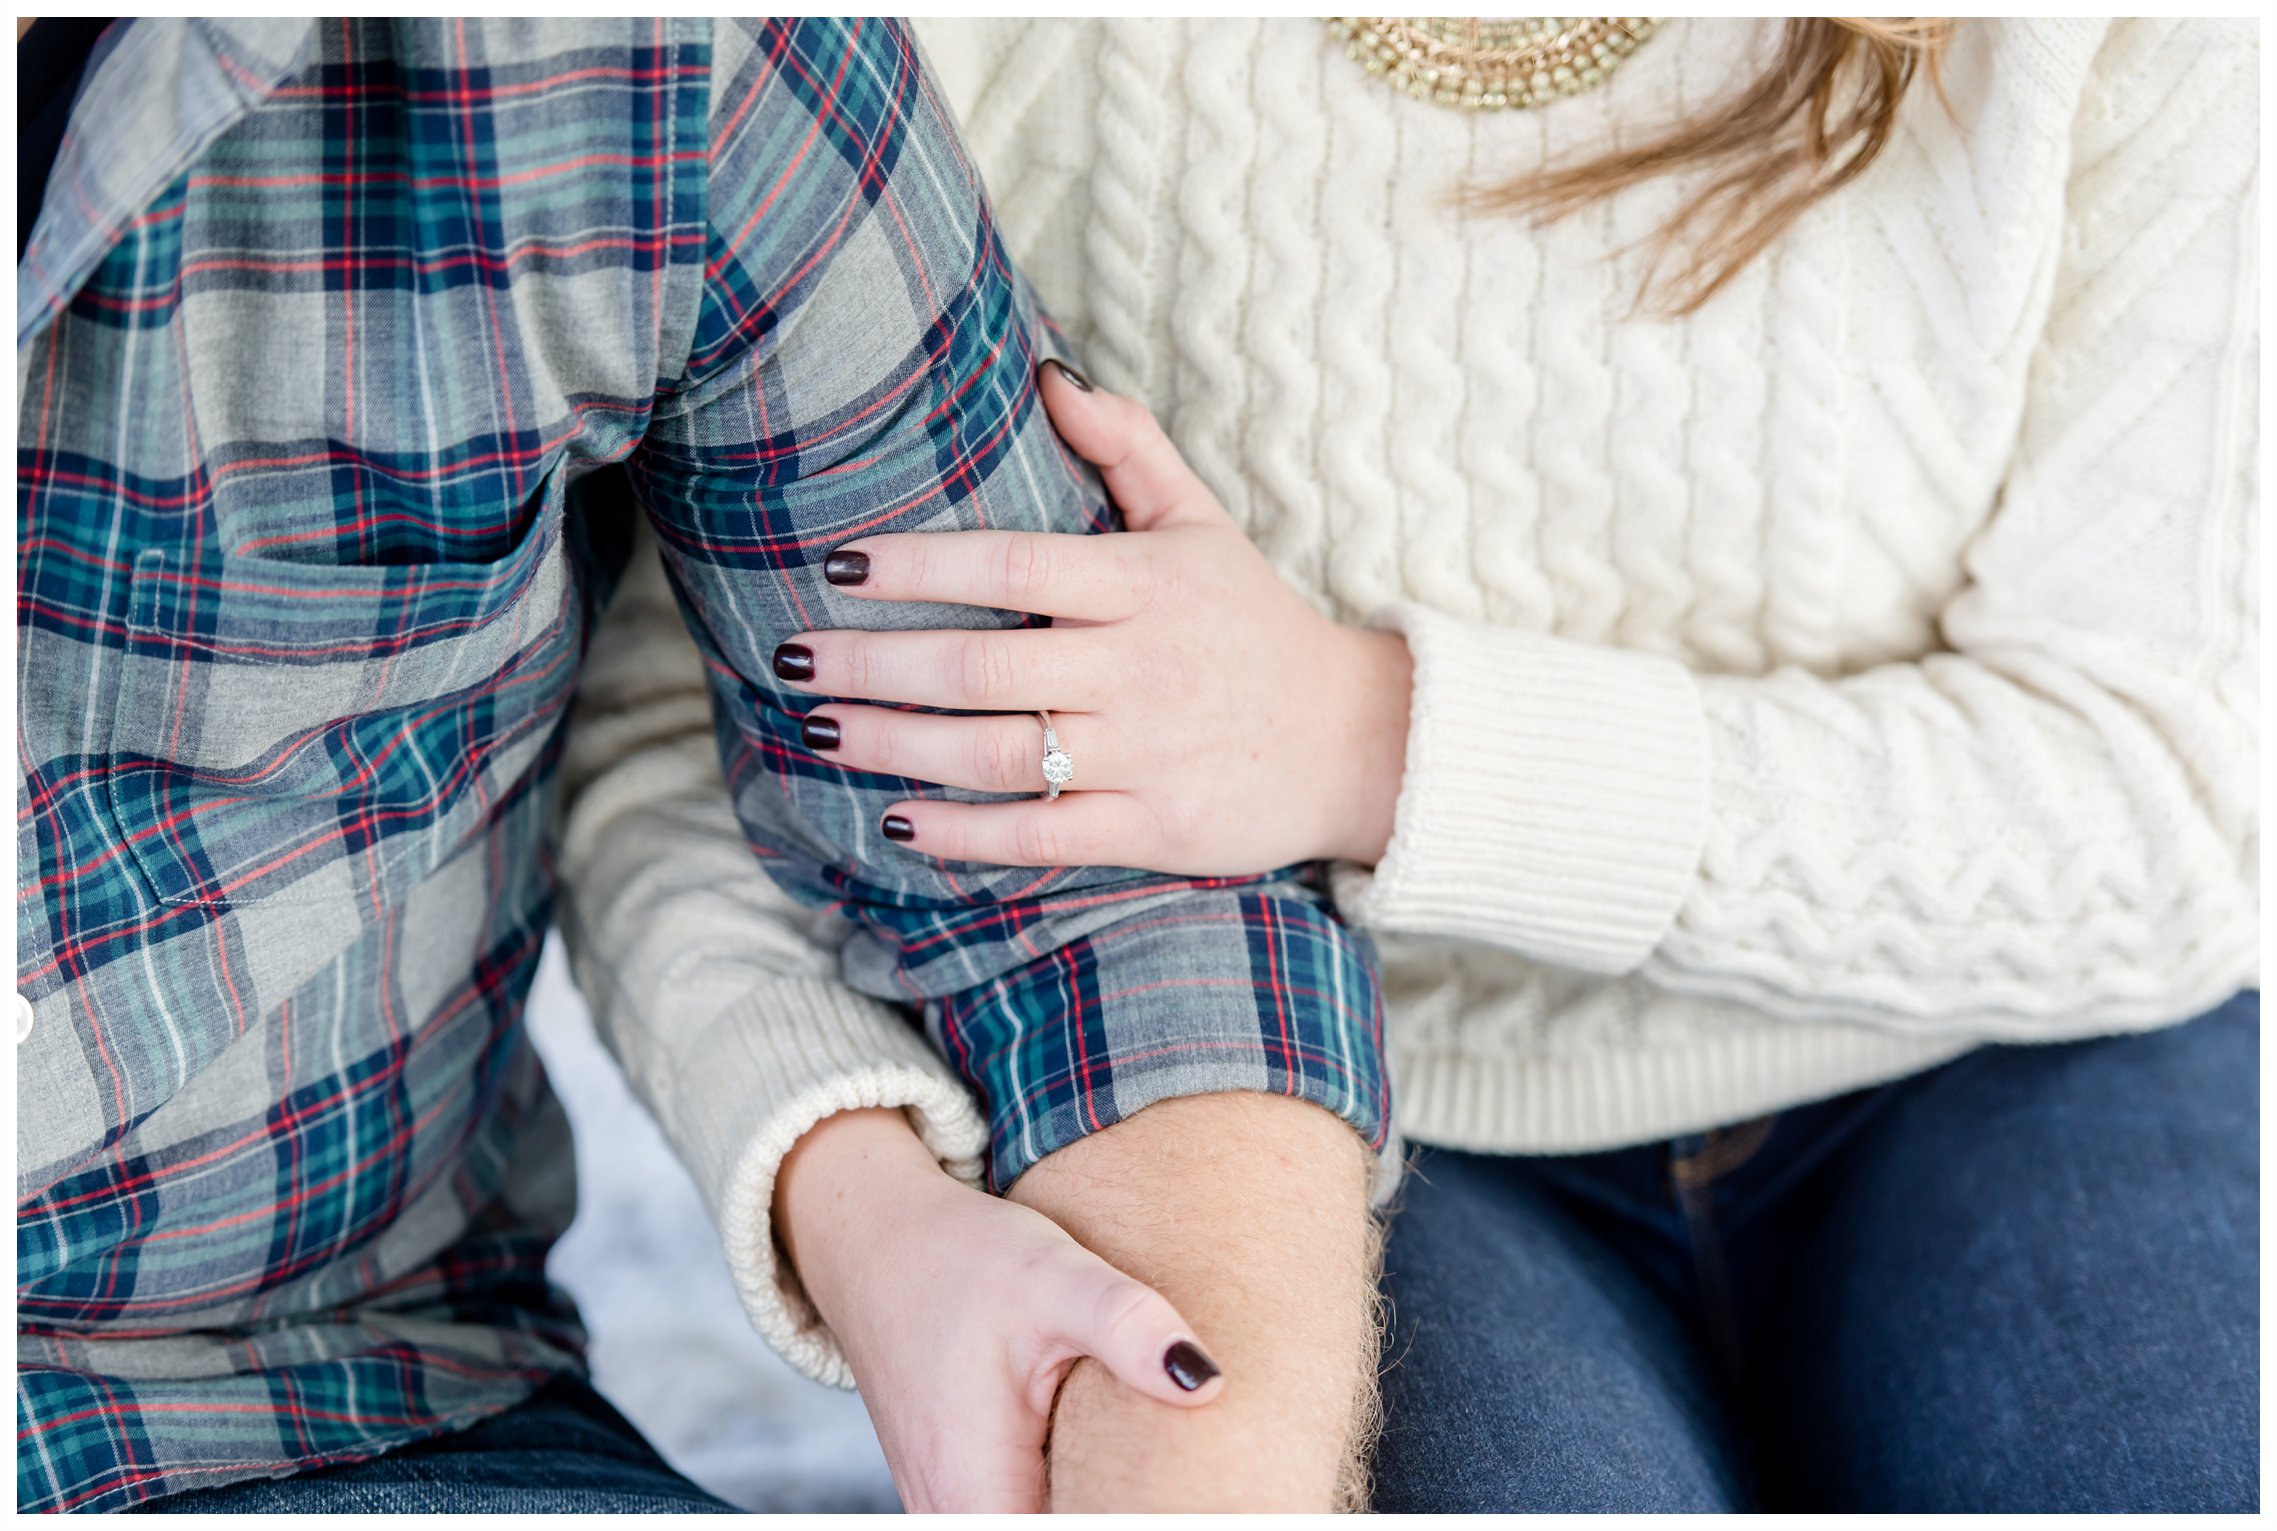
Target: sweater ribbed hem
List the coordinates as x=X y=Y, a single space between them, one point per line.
x=772 y=1066
x=1555 y=800
x=1512 y=1103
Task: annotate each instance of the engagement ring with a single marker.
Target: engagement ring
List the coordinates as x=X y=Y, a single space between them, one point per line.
x=1059 y=765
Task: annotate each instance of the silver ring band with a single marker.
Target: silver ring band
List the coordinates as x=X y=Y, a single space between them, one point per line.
x=1058 y=764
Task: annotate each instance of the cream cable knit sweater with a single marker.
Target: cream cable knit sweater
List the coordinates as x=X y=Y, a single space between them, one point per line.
x=1807 y=691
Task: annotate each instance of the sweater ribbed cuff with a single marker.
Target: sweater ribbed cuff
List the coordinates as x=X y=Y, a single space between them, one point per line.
x=765 y=1071
x=1555 y=799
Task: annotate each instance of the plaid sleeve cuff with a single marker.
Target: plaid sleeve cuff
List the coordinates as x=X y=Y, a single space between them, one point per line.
x=1261 y=989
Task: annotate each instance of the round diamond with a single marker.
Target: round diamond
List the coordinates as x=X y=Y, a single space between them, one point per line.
x=1059 y=768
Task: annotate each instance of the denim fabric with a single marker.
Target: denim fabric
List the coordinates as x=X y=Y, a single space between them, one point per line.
x=2026 y=1281
x=565 y=1451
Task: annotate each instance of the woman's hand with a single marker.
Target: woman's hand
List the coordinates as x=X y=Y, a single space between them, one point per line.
x=1219 y=724
x=962 y=1312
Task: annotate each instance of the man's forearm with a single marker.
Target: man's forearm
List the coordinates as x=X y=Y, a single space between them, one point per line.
x=1249 y=1212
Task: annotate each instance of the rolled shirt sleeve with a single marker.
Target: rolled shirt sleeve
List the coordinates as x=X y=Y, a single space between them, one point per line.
x=863 y=361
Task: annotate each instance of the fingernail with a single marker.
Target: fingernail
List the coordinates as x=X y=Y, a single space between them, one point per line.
x=898 y=828
x=819 y=733
x=1187 y=1366
x=846 y=568
x=794 y=661
x=1073 y=376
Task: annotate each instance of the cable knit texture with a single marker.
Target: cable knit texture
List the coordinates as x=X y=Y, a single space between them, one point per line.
x=1807 y=690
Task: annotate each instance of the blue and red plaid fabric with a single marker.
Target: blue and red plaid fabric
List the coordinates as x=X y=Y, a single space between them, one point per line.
x=346 y=348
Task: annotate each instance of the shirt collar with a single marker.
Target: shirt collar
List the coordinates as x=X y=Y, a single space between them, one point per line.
x=158 y=90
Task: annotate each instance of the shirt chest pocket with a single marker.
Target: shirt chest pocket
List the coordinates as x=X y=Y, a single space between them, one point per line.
x=298 y=733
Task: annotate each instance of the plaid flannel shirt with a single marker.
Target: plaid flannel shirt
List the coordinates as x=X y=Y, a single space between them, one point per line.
x=338 y=345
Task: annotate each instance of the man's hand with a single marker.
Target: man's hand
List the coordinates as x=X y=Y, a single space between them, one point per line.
x=1250 y=1213
x=961 y=1313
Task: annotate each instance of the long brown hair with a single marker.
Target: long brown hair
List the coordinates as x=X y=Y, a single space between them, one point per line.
x=1804 y=129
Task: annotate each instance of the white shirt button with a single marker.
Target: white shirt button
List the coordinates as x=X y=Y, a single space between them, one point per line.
x=23 y=1018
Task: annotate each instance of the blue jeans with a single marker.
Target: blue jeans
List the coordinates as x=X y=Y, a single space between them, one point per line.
x=564 y=1450
x=2028 y=1280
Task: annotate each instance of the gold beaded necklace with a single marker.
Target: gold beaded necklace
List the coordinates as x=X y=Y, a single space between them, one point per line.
x=1489 y=65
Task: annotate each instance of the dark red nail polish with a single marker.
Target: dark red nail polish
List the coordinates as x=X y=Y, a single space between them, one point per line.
x=1073 y=376
x=1188 y=1367
x=846 y=568
x=898 y=828
x=794 y=661
x=819 y=733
